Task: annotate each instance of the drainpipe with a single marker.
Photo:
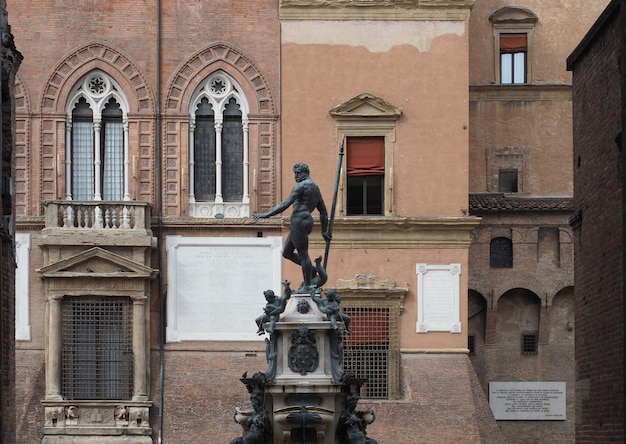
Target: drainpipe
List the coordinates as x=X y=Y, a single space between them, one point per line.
x=159 y=202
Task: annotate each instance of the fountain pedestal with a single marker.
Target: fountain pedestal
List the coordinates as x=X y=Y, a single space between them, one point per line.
x=304 y=396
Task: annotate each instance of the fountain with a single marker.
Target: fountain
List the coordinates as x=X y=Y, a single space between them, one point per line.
x=304 y=396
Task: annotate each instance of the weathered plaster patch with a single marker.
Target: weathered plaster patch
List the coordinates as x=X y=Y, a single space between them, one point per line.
x=376 y=36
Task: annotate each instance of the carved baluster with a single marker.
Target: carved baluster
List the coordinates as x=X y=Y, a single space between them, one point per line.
x=107 y=217
x=115 y=211
x=126 y=217
x=98 y=222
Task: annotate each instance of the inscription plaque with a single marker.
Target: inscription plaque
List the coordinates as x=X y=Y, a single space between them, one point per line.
x=438 y=298
x=522 y=401
x=215 y=286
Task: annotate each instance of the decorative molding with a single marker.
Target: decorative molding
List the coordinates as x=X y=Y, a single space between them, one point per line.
x=80 y=61
x=399 y=232
x=513 y=14
x=203 y=63
x=520 y=93
x=375 y=9
x=97 y=262
x=367 y=106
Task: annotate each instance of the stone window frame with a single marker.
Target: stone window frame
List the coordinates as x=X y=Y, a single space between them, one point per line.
x=219 y=99
x=513 y=20
x=92 y=347
x=367 y=115
x=63 y=279
x=507 y=158
x=368 y=291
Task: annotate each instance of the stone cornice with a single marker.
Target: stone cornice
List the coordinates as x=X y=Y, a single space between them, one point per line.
x=375 y=9
x=399 y=232
x=497 y=92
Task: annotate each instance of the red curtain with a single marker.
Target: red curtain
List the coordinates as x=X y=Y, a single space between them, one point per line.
x=512 y=43
x=366 y=156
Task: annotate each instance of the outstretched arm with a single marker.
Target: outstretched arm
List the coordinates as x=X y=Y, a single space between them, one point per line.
x=281 y=206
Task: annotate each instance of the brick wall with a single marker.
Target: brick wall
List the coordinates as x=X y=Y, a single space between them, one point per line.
x=599 y=239
x=11 y=59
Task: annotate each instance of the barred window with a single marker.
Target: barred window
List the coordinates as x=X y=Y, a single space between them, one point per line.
x=501 y=253
x=367 y=350
x=97 y=352
x=471 y=343
x=530 y=341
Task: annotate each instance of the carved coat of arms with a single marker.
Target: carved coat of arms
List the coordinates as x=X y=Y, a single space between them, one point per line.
x=303 y=356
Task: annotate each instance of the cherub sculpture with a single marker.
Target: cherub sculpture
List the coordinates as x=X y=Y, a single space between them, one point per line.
x=274 y=307
x=330 y=307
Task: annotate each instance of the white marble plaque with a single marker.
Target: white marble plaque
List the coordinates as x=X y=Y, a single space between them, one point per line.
x=438 y=298
x=22 y=290
x=523 y=401
x=215 y=286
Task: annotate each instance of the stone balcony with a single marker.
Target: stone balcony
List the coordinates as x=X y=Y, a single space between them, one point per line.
x=72 y=226
x=97 y=215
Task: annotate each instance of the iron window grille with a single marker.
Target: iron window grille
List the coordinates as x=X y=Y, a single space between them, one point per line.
x=501 y=253
x=97 y=352
x=530 y=342
x=471 y=343
x=366 y=352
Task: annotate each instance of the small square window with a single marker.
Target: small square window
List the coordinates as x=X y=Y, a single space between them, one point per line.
x=501 y=253
x=508 y=180
x=530 y=341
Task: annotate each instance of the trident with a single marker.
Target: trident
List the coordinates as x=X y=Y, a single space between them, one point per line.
x=334 y=204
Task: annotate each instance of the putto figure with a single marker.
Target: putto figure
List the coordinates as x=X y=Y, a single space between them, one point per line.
x=305 y=197
x=330 y=307
x=274 y=307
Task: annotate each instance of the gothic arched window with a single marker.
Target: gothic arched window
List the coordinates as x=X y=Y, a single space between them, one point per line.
x=218 y=149
x=97 y=141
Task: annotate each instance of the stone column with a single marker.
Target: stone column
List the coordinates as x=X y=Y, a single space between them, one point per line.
x=55 y=344
x=140 y=386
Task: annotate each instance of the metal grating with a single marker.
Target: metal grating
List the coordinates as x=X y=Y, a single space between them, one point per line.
x=530 y=341
x=501 y=253
x=97 y=354
x=366 y=351
x=471 y=343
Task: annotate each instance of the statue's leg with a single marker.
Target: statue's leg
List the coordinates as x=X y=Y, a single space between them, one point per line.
x=289 y=251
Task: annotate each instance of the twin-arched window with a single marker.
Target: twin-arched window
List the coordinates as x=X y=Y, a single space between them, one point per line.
x=218 y=149
x=97 y=148
x=96 y=162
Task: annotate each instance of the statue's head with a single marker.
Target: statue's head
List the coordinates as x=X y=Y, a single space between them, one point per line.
x=301 y=170
x=331 y=294
x=269 y=295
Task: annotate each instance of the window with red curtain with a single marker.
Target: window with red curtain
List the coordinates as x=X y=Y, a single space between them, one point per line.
x=366 y=175
x=513 y=53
